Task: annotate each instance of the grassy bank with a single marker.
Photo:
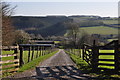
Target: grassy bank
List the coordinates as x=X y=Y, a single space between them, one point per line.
x=81 y=64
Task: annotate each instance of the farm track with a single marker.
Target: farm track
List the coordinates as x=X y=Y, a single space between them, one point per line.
x=57 y=67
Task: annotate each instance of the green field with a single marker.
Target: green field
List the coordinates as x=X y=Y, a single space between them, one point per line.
x=7 y=58
x=7 y=52
x=56 y=42
x=110 y=40
x=100 y=30
x=25 y=54
x=110 y=21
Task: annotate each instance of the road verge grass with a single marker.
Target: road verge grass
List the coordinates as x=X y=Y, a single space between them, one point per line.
x=81 y=64
x=35 y=62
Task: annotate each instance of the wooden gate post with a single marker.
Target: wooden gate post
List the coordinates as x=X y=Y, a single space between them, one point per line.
x=21 y=56
x=32 y=57
x=40 y=51
x=95 y=56
x=83 y=52
x=16 y=56
x=116 y=57
x=43 y=51
x=37 y=55
x=15 y=52
x=29 y=53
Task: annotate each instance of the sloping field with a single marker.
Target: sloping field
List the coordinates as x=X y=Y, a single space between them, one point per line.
x=110 y=21
x=100 y=30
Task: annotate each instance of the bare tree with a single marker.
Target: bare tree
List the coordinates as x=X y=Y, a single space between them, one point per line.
x=73 y=32
x=7 y=32
x=7 y=28
x=6 y=10
x=0 y=26
x=75 y=35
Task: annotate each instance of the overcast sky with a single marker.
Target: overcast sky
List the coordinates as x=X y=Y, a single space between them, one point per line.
x=65 y=7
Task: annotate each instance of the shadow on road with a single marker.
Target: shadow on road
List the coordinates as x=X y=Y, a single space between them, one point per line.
x=67 y=73
x=61 y=72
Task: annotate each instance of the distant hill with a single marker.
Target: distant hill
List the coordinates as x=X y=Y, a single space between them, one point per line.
x=46 y=26
x=53 y=25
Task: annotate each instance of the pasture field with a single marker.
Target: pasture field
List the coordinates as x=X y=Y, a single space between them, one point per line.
x=7 y=58
x=100 y=30
x=40 y=53
x=110 y=21
x=25 y=54
x=56 y=42
x=110 y=40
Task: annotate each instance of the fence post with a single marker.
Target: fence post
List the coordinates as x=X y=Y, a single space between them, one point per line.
x=79 y=51
x=47 y=50
x=32 y=57
x=43 y=50
x=21 y=56
x=116 y=57
x=83 y=52
x=95 y=56
x=29 y=54
x=40 y=51
x=16 y=56
x=37 y=51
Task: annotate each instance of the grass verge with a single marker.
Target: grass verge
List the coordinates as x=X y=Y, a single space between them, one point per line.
x=35 y=62
x=81 y=64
